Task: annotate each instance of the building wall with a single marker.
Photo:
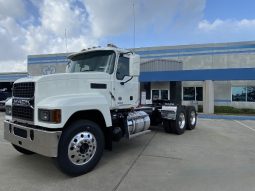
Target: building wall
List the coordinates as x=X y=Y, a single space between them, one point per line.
x=46 y=64
x=210 y=56
x=188 y=57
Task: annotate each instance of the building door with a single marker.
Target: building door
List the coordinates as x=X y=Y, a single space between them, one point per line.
x=159 y=94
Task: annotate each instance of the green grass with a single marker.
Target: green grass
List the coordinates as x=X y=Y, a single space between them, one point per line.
x=200 y=108
x=233 y=110
x=228 y=110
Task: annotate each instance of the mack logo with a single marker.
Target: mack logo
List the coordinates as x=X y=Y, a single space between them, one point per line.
x=22 y=102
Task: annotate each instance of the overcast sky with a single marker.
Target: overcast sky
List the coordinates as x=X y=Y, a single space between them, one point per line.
x=38 y=26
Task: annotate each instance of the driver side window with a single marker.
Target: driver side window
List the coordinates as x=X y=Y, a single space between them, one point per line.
x=123 y=68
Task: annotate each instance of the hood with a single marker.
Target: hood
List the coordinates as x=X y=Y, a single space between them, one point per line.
x=68 y=84
x=64 y=76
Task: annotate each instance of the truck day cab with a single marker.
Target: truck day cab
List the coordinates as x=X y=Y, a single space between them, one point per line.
x=73 y=116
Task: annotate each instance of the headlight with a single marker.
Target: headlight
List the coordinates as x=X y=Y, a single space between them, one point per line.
x=51 y=116
x=8 y=110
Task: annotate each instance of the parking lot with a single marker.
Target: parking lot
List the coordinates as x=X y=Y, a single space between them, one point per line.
x=217 y=155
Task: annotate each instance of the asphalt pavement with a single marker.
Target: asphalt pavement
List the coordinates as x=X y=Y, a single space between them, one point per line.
x=219 y=155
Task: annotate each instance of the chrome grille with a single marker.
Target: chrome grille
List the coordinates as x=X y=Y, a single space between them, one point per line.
x=23 y=101
x=24 y=90
x=24 y=113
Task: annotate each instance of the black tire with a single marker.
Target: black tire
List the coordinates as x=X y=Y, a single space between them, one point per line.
x=22 y=150
x=173 y=126
x=191 y=119
x=155 y=117
x=84 y=130
x=179 y=125
x=167 y=126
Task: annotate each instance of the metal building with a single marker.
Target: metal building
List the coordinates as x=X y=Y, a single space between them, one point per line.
x=207 y=74
x=7 y=79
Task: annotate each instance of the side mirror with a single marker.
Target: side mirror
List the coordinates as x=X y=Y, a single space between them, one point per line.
x=134 y=65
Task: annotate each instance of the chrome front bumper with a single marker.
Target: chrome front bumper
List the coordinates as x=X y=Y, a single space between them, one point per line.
x=39 y=141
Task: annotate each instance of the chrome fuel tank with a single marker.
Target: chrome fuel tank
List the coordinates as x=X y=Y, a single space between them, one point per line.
x=137 y=123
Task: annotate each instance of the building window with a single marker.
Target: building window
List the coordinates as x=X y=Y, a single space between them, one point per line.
x=159 y=94
x=243 y=94
x=155 y=94
x=251 y=94
x=188 y=93
x=192 y=93
x=164 y=94
x=238 y=93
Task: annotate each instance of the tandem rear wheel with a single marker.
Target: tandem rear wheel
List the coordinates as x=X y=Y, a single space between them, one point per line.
x=186 y=118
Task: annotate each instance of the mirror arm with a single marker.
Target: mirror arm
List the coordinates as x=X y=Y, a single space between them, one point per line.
x=122 y=83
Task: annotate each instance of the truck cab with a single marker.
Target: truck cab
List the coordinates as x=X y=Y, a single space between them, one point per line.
x=73 y=116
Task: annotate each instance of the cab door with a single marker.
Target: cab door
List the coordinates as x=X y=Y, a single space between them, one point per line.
x=126 y=88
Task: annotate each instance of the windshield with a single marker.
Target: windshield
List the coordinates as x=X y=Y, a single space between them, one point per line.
x=99 y=61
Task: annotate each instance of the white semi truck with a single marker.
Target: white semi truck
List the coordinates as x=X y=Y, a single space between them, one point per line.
x=74 y=116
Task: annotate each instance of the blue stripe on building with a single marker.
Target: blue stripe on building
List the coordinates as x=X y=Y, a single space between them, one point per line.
x=49 y=62
x=182 y=50
x=200 y=75
x=57 y=57
x=226 y=117
x=11 y=76
x=199 y=54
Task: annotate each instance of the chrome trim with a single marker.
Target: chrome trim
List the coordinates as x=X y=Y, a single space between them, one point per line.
x=193 y=117
x=22 y=120
x=24 y=102
x=43 y=142
x=82 y=148
x=182 y=121
x=168 y=112
x=140 y=133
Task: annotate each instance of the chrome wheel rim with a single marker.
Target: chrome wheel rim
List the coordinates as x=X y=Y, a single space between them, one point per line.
x=192 y=117
x=181 y=120
x=82 y=148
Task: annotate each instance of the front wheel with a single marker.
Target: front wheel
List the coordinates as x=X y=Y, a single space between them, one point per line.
x=80 y=147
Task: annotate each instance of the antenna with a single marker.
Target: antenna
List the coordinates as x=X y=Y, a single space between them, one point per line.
x=134 y=23
x=66 y=40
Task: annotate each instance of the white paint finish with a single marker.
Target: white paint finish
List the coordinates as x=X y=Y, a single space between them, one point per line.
x=135 y=61
x=123 y=93
x=70 y=104
x=72 y=92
